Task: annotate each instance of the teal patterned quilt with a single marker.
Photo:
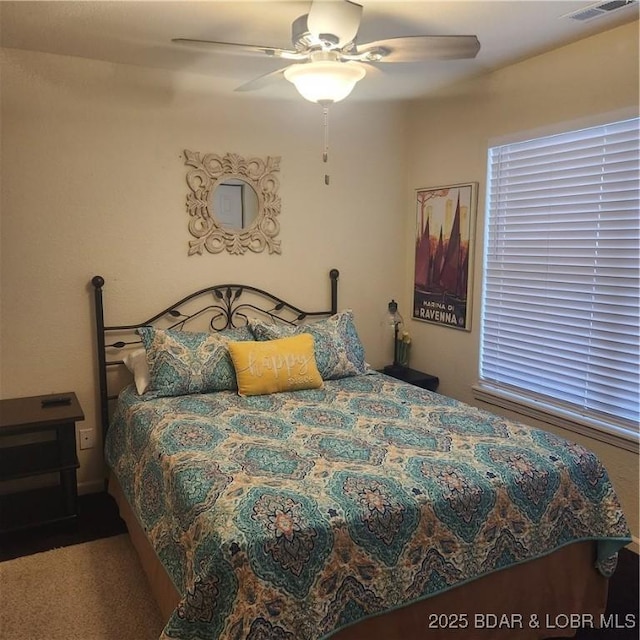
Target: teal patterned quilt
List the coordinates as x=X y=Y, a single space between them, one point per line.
x=292 y=515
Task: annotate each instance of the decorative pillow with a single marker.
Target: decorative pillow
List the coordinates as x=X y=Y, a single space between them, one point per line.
x=136 y=362
x=271 y=366
x=183 y=362
x=339 y=352
x=237 y=333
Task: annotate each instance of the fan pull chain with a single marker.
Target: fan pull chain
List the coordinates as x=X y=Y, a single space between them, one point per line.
x=325 y=153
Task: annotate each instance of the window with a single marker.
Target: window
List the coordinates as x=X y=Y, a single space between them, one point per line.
x=561 y=295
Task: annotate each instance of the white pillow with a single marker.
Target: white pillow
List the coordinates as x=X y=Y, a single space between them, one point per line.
x=136 y=362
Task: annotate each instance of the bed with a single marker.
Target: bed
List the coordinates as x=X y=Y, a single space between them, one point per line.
x=345 y=504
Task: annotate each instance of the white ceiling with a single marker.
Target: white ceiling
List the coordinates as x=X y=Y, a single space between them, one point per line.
x=140 y=32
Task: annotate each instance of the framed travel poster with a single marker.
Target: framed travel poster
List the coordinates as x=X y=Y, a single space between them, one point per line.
x=445 y=224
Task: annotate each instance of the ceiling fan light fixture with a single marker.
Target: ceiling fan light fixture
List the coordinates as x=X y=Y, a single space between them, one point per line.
x=325 y=81
x=338 y=18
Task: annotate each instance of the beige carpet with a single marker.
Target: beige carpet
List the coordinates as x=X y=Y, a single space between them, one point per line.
x=91 y=591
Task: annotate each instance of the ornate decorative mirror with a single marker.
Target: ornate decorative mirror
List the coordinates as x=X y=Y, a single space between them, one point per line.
x=232 y=203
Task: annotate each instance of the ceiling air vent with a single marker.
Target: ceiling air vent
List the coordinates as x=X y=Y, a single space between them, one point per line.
x=600 y=9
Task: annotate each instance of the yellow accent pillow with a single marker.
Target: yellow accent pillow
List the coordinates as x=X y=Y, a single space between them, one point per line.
x=271 y=366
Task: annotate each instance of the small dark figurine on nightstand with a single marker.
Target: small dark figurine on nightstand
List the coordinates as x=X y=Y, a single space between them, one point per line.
x=399 y=368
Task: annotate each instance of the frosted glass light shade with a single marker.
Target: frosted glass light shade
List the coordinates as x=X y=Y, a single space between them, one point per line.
x=325 y=80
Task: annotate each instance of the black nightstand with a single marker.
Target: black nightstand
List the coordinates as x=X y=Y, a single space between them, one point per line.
x=38 y=437
x=412 y=376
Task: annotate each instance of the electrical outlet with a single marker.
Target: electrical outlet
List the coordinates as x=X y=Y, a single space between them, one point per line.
x=87 y=438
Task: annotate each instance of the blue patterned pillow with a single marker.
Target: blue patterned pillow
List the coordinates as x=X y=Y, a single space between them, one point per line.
x=338 y=350
x=183 y=362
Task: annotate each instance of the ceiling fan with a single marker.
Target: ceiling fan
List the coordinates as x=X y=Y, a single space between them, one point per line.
x=327 y=60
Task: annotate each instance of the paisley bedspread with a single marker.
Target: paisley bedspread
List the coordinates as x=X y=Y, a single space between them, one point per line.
x=289 y=516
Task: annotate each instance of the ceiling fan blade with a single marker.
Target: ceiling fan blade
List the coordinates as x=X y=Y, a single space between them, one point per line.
x=340 y=18
x=418 y=48
x=241 y=49
x=262 y=81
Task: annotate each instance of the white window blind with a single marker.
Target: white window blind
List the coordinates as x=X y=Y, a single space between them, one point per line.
x=561 y=294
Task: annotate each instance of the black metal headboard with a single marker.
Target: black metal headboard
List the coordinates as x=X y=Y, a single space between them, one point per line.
x=218 y=307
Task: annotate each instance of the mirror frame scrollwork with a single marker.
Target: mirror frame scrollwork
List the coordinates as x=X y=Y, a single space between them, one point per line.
x=210 y=170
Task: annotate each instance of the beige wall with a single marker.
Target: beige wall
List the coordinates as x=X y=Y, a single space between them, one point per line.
x=449 y=137
x=93 y=182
